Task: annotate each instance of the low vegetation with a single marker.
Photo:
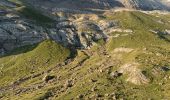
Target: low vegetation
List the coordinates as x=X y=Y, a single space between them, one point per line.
x=104 y=71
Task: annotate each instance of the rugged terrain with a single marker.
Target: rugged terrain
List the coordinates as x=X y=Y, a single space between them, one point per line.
x=82 y=53
x=87 y=6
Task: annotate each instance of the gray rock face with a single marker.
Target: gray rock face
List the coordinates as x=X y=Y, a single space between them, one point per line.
x=17 y=32
x=80 y=35
x=90 y=32
x=79 y=5
x=66 y=34
x=7 y=3
x=146 y=4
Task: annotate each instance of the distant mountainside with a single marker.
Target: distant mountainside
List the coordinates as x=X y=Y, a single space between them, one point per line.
x=146 y=4
x=104 y=4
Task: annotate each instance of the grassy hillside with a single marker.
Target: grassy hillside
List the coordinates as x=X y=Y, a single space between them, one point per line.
x=132 y=66
x=45 y=55
x=141 y=24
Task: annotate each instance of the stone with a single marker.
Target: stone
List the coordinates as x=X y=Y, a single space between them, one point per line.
x=166 y=68
x=99 y=95
x=115 y=74
x=106 y=95
x=47 y=78
x=93 y=80
x=101 y=70
x=167 y=31
x=69 y=83
x=113 y=96
x=39 y=87
x=80 y=96
x=93 y=89
x=12 y=15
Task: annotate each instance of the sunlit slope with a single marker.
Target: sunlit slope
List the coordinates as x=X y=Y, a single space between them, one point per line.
x=131 y=65
x=40 y=58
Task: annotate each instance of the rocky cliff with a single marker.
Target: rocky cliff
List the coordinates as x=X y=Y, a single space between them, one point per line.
x=79 y=32
x=17 y=31
x=60 y=5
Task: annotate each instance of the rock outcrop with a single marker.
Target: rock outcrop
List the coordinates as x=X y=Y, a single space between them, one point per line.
x=79 y=35
x=82 y=33
x=17 y=32
x=84 y=6
x=134 y=74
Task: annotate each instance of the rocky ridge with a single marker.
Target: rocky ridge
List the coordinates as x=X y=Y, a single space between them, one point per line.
x=78 y=32
x=16 y=31
x=86 y=6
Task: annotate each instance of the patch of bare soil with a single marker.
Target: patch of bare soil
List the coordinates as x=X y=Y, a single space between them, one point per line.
x=134 y=74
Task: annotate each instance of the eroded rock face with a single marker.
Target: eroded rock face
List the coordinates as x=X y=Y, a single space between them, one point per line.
x=7 y=3
x=61 y=5
x=82 y=6
x=66 y=34
x=17 y=32
x=80 y=35
x=145 y=4
x=89 y=33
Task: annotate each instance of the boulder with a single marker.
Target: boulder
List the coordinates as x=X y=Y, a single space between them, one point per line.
x=47 y=78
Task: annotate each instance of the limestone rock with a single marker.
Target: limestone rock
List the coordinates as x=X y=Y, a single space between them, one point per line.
x=135 y=75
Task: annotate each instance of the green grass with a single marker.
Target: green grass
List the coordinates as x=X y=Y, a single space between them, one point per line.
x=150 y=51
x=141 y=24
x=46 y=54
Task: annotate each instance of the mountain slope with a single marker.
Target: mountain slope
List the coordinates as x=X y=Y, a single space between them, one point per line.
x=116 y=54
x=131 y=65
x=101 y=4
x=145 y=4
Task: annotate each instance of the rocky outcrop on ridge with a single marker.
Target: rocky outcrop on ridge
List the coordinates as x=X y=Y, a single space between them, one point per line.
x=17 y=32
x=85 y=6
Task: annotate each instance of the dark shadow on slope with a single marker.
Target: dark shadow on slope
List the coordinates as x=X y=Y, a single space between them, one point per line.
x=28 y=48
x=36 y=16
x=166 y=68
x=20 y=50
x=72 y=6
x=161 y=36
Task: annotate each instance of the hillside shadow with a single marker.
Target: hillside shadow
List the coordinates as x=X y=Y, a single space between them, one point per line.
x=163 y=37
x=29 y=48
x=20 y=50
x=71 y=6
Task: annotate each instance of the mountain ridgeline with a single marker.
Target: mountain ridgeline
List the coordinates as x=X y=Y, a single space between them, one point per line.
x=105 y=4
